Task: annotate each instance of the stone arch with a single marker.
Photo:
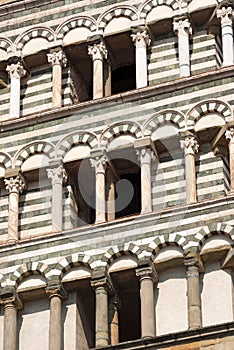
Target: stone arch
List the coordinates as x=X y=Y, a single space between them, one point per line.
x=219 y=228
x=5 y=160
x=120 y=250
x=148 y=5
x=172 y=239
x=33 y=148
x=117 y=11
x=118 y=129
x=33 y=33
x=73 y=260
x=74 y=139
x=6 y=44
x=209 y=106
x=29 y=269
x=169 y=116
x=76 y=22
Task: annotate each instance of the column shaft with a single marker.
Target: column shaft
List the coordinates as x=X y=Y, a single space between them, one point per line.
x=55 y=331
x=145 y=155
x=57 y=174
x=58 y=60
x=193 y=295
x=147 y=278
x=141 y=41
x=16 y=72
x=101 y=327
x=226 y=16
x=10 y=327
x=183 y=30
x=99 y=163
x=190 y=146
x=114 y=327
x=98 y=53
x=15 y=186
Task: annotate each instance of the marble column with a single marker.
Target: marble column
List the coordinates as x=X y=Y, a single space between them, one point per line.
x=16 y=71
x=193 y=293
x=98 y=52
x=56 y=294
x=141 y=40
x=226 y=17
x=145 y=155
x=183 y=29
x=11 y=303
x=114 y=307
x=99 y=163
x=15 y=185
x=230 y=136
x=57 y=174
x=58 y=61
x=190 y=146
x=101 y=327
x=147 y=277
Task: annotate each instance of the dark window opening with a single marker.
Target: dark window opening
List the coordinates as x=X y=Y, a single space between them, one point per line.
x=131 y=191
x=127 y=286
x=123 y=79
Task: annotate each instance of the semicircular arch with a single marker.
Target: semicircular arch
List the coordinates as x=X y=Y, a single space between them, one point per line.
x=204 y=108
x=40 y=147
x=117 y=11
x=33 y=33
x=164 y=117
x=118 y=129
x=75 y=139
x=73 y=23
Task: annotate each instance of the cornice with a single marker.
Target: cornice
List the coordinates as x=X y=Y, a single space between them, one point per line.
x=15 y=6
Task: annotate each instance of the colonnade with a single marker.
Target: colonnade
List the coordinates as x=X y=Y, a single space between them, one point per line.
x=99 y=54
x=107 y=307
x=106 y=178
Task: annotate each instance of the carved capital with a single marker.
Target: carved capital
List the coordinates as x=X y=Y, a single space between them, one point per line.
x=141 y=39
x=15 y=184
x=99 y=163
x=57 y=175
x=193 y=263
x=229 y=134
x=15 y=70
x=190 y=145
x=147 y=273
x=57 y=58
x=56 y=291
x=145 y=155
x=182 y=27
x=9 y=298
x=225 y=14
x=103 y=283
x=98 y=51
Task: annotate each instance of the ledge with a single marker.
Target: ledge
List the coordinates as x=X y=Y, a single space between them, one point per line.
x=129 y=96
x=84 y=233
x=204 y=336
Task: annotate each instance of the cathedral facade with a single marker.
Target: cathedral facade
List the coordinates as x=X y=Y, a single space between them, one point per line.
x=116 y=174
